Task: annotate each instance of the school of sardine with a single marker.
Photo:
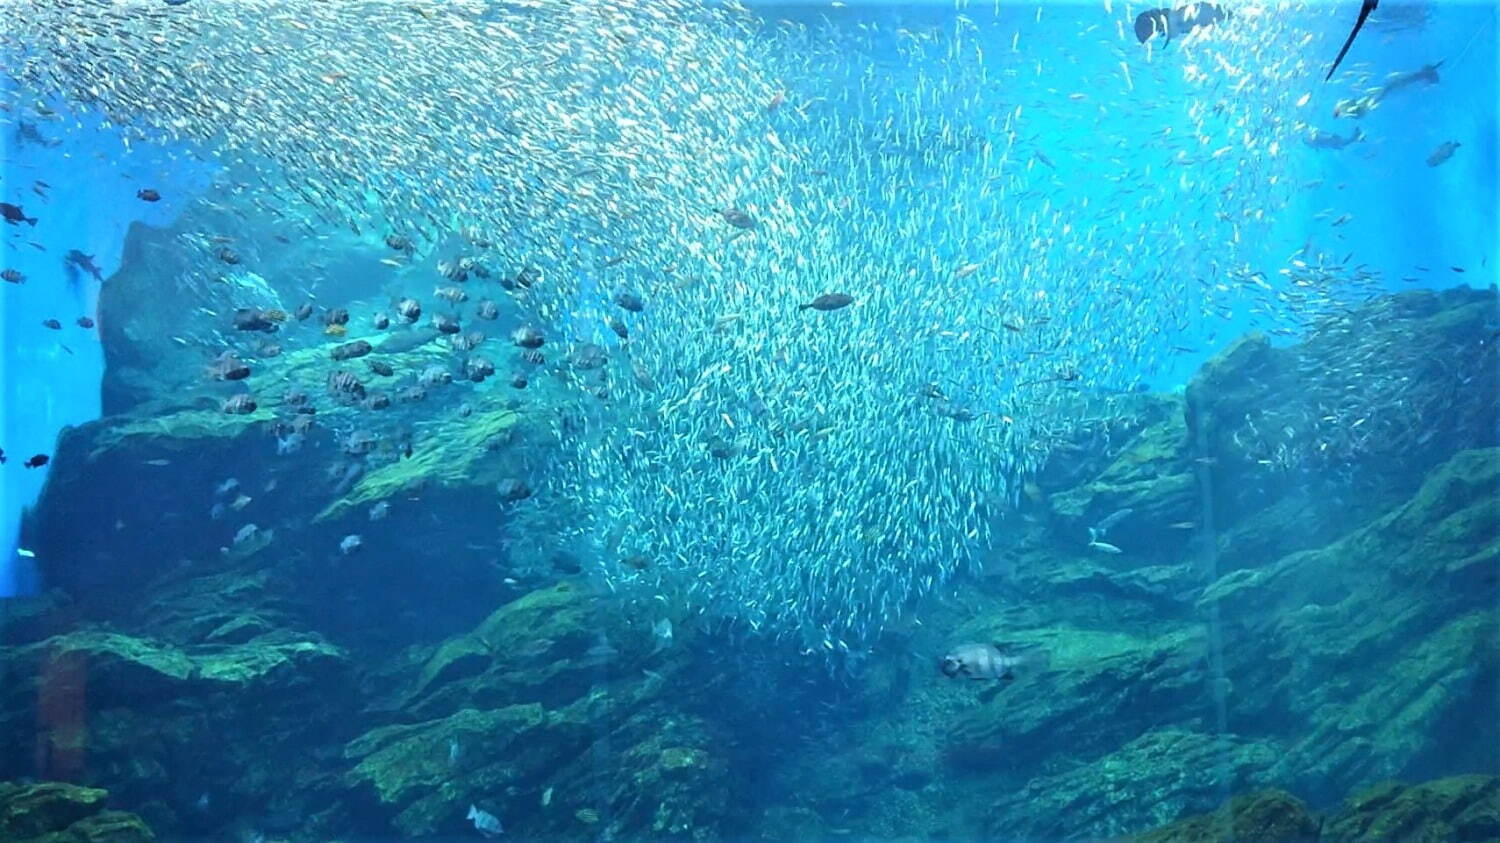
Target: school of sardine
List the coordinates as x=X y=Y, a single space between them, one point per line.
x=822 y=324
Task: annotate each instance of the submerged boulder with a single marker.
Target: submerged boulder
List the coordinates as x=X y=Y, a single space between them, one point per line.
x=54 y=812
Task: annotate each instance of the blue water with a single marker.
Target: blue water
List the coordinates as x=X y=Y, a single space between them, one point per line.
x=407 y=602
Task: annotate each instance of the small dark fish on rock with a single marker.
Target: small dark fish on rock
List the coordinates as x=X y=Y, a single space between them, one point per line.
x=239 y=405
x=252 y=319
x=229 y=368
x=829 y=301
x=350 y=350
x=527 y=337
x=478 y=369
x=147 y=194
x=344 y=383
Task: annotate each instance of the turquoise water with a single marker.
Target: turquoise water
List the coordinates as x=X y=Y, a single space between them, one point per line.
x=884 y=421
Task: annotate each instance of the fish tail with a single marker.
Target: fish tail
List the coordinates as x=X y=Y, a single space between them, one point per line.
x=30 y=221
x=803 y=306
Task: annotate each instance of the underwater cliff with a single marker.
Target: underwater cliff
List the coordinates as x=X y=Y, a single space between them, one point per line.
x=1254 y=630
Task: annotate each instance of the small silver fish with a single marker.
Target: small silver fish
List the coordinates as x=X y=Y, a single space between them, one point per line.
x=486 y=823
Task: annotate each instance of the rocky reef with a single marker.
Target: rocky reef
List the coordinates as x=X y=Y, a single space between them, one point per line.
x=1303 y=606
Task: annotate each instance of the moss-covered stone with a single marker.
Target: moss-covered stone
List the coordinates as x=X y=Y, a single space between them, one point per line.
x=1459 y=808
x=54 y=812
x=1272 y=816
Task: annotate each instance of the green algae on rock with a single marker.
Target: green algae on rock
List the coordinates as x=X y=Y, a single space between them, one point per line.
x=1271 y=816
x=1457 y=808
x=54 y=812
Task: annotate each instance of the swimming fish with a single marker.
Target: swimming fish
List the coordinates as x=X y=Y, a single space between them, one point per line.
x=14 y=215
x=1318 y=139
x=1170 y=23
x=829 y=301
x=989 y=661
x=1443 y=153
x=484 y=822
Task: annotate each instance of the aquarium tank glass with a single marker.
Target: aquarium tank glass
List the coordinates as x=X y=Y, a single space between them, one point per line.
x=697 y=420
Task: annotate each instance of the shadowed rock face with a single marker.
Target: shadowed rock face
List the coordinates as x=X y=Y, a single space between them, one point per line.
x=53 y=812
x=1459 y=808
x=1256 y=631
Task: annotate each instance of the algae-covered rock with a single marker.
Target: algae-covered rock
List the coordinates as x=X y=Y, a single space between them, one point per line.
x=54 y=812
x=1272 y=816
x=1149 y=781
x=1459 y=808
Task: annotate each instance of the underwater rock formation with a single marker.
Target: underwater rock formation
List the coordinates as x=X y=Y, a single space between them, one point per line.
x=54 y=812
x=1253 y=631
x=1458 y=808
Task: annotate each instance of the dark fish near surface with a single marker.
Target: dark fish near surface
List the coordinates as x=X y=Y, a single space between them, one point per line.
x=737 y=218
x=1442 y=153
x=14 y=215
x=829 y=301
x=1171 y=23
x=629 y=301
x=989 y=661
x=75 y=260
x=1327 y=140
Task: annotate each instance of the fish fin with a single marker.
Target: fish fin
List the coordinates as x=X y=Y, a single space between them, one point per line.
x=1364 y=13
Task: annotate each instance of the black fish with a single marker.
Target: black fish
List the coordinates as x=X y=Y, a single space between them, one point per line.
x=1170 y=23
x=147 y=194
x=14 y=215
x=829 y=301
x=1364 y=13
x=27 y=133
x=76 y=260
x=37 y=461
